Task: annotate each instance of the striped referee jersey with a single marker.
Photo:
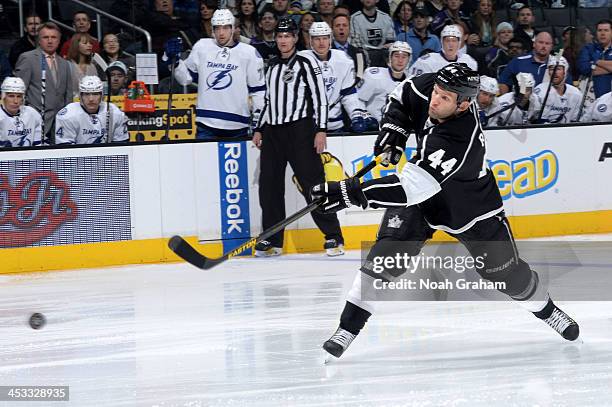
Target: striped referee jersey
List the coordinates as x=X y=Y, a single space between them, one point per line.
x=294 y=90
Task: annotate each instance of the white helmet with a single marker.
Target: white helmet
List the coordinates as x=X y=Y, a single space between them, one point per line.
x=400 y=46
x=90 y=84
x=223 y=17
x=561 y=61
x=489 y=85
x=525 y=80
x=452 y=31
x=13 y=84
x=319 y=29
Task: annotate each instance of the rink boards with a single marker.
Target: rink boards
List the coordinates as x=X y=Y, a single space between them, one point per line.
x=93 y=207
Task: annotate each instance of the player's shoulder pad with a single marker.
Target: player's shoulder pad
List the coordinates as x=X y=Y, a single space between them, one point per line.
x=63 y=111
x=426 y=56
x=602 y=107
x=538 y=89
x=372 y=71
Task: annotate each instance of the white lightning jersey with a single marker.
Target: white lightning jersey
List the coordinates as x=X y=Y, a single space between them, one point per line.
x=226 y=76
x=514 y=115
x=20 y=130
x=373 y=90
x=339 y=78
x=558 y=109
x=434 y=61
x=73 y=125
x=600 y=110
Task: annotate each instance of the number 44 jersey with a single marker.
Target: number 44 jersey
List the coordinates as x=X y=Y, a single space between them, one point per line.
x=450 y=157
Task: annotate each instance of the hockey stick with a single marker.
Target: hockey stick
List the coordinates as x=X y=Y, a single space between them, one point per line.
x=554 y=72
x=188 y=253
x=43 y=93
x=172 y=63
x=109 y=135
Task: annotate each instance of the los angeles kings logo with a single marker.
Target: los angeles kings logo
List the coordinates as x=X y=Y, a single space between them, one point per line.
x=34 y=208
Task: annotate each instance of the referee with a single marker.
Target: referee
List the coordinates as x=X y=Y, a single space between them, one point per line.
x=287 y=132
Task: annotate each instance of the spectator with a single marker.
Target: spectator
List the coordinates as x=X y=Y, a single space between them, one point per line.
x=534 y=63
x=111 y=52
x=483 y=24
x=58 y=85
x=419 y=37
x=450 y=15
x=80 y=58
x=342 y=9
x=487 y=98
x=564 y=100
x=27 y=42
x=402 y=18
x=247 y=14
x=305 y=22
x=524 y=27
x=595 y=59
x=500 y=56
x=281 y=8
x=265 y=43
x=433 y=6
x=20 y=125
x=76 y=123
x=118 y=74
x=600 y=110
x=356 y=5
x=372 y=30
x=207 y=9
x=572 y=42
x=378 y=83
x=325 y=8
x=82 y=24
x=433 y=62
x=341 y=29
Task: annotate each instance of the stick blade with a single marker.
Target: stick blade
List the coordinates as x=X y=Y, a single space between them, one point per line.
x=186 y=252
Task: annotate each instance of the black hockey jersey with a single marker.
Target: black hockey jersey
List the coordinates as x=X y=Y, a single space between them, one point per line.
x=452 y=152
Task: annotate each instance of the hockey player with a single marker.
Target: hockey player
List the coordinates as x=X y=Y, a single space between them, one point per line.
x=487 y=98
x=339 y=77
x=600 y=110
x=518 y=107
x=434 y=61
x=445 y=186
x=377 y=82
x=20 y=125
x=564 y=100
x=87 y=121
x=226 y=73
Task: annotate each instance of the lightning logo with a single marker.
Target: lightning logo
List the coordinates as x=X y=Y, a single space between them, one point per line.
x=219 y=80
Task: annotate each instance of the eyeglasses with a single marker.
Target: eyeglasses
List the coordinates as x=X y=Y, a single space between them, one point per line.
x=111 y=42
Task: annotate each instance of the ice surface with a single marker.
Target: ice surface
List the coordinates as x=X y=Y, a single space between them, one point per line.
x=249 y=334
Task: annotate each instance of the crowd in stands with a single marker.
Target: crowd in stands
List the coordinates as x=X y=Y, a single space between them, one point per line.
x=501 y=41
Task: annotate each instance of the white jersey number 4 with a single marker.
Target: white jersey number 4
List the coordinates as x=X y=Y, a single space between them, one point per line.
x=435 y=159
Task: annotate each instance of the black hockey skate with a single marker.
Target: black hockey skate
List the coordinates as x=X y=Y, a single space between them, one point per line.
x=559 y=321
x=339 y=342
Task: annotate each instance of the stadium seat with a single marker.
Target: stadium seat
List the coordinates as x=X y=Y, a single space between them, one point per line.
x=590 y=16
x=556 y=16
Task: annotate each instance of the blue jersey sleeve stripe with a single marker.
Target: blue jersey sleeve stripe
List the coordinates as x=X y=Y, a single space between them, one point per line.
x=230 y=117
x=253 y=89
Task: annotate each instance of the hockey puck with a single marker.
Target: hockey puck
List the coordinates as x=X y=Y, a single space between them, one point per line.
x=37 y=320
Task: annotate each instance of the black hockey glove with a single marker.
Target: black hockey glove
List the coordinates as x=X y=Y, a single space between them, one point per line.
x=392 y=139
x=339 y=195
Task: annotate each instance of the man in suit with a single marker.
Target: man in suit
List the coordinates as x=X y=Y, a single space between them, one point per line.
x=341 y=31
x=57 y=90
